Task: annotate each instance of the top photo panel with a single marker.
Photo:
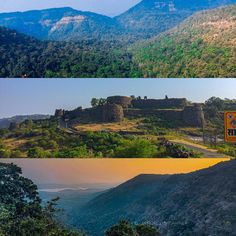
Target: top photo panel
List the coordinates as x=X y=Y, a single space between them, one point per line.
x=118 y=39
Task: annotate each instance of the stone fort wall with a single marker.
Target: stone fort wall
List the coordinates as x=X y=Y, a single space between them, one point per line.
x=118 y=107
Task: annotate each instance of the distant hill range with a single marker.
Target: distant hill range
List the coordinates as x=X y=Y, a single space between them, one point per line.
x=150 y=17
x=5 y=122
x=60 y=24
x=199 y=203
x=153 y=39
x=146 y=19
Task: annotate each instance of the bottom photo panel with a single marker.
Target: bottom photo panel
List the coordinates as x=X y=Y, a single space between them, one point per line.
x=113 y=197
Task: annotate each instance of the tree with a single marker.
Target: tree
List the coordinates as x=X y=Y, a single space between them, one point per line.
x=102 y=101
x=215 y=102
x=124 y=228
x=147 y=230
x=37 y=152
x=94 y=102
x=137 y=148
x=21 y=212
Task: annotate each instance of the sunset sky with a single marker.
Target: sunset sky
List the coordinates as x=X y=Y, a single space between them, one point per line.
x=43 y=96
x=108 y=171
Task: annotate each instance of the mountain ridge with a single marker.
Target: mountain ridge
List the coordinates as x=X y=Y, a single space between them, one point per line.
x=73 y=23
x=198 y=203
x=144 y=20
x=5 y=122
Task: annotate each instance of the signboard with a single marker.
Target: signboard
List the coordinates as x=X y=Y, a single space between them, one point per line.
x=230 y=126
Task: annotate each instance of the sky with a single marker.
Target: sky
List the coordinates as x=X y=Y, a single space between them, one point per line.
x=105 y=7
x=105 y=171
x=43 y=96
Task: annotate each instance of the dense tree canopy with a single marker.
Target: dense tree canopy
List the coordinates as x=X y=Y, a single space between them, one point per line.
x=21 y=212
x=124 y=228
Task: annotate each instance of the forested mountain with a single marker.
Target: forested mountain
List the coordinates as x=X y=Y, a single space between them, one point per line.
x=199 y=203
x=204 y=45
x=24 y=56
x=146 y=19
x=150 y=17
x=60 y=24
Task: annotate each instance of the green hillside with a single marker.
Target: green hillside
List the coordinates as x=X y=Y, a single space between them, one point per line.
x=24 y=56
x=202 y=46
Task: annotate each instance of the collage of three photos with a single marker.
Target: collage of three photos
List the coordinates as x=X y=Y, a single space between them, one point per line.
x=118 y=118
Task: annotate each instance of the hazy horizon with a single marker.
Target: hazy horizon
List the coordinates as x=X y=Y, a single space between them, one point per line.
x=42 y=96
x=105 y=7
x=104 y=171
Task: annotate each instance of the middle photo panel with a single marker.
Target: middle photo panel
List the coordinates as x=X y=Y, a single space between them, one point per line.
x=115 y=118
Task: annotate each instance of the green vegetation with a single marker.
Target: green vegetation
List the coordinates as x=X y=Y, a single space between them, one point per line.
x=201 y=46
x=145 y=137
x=98 y=102
x=22 y=56
x=21 y=212
x=43 y=139
x=124 y=228
x=137 y=148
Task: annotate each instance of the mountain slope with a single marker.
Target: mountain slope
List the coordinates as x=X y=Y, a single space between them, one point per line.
x=204 y=45
x=60 y=24
x=24 y=56
x=150 y=17
x=199 y=203
x=146 y=19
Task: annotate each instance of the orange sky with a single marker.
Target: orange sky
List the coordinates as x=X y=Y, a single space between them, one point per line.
x=75 y=171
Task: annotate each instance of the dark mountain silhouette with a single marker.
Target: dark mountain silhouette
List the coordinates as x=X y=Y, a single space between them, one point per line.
x=199 y=203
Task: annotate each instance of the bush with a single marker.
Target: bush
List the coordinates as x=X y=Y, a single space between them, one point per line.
x=138 y=148
x=124 y=228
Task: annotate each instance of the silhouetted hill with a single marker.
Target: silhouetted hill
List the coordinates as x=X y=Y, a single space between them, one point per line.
x=199 y=203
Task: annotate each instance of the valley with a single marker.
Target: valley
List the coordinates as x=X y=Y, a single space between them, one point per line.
x=153 y=39
x=195 y=203
x=199 y=202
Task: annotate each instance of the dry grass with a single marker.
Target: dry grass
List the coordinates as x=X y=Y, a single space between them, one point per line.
x=217 y=29
x=131 y=125
x=14 y=143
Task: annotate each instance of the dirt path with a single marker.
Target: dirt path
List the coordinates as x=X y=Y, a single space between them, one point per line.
x=207 y=152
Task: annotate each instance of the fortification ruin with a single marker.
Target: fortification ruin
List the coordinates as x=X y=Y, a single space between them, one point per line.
x=117 y=108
